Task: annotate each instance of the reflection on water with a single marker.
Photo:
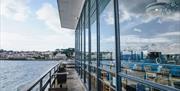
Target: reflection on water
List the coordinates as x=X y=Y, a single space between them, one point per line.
x=14 y=74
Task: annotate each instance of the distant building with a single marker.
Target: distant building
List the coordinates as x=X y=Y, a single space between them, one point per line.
x=106 y=55
x=73 y=55
x=60 y=56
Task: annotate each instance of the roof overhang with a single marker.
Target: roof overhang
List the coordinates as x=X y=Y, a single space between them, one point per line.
x=69 y=12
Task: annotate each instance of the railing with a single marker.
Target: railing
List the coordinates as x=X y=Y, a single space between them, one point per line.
x=148 y=83
x=44 y=81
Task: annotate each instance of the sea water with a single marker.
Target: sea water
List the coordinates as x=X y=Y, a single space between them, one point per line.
x=15 y=74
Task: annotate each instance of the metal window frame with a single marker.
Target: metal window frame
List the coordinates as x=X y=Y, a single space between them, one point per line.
x=89 y=44
x=76 y=49
x=79 y=54
x=84 y=26
x=98 y=73
x=117 y=46
x=81 y=47
x=79 y=38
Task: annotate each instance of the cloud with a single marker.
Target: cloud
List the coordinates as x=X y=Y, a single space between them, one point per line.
x=153 y=29
x=49 y=15
x=109 y=39
x=167 y=48
x=133 y=42
x=137 y=30
x=124 y=15
x=24 y=38
x=15 y=9
x=18 y=41
x=131 y=9
x=173 y=48
x=159 y=44
x=170 y=34
x=109 y=17
x=136 y=39
x=173 y=17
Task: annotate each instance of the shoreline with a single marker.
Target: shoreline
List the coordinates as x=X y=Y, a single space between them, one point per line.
x=27 y=60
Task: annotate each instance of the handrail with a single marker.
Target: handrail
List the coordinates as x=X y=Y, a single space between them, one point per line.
x=140 y=80
x=39 y=81
x=149 y=83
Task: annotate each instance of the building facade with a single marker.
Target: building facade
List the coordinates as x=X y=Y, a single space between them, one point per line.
x=140 y=36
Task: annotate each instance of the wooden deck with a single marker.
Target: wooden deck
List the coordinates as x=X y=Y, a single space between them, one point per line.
x=73 y=82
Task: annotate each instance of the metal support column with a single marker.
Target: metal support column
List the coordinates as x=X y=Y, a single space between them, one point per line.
x=78 y=49
x=81 y=46
x=117 y=44
x=98 y=46
x=84 y=42
x=89 y=43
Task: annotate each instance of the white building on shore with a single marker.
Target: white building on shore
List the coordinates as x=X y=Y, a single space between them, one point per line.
x=60 y=56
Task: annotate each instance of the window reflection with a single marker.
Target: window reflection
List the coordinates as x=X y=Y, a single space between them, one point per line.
x=150 y=39
x=107 y=44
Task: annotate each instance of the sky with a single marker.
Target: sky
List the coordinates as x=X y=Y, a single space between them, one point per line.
x=35 y=25
x=32 y=25
x=141 y=30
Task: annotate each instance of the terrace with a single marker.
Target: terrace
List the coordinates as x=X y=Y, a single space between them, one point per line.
x=144 y=54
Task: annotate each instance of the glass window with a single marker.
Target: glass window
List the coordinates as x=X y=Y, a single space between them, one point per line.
x=107 y=42
x=87 y=39
x=150 y=39
x=93 y=48
x=93 y=39
x=83 y=45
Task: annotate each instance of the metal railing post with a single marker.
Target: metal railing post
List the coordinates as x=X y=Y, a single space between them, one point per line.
x=40 y=85
x=54 y=69
x=50 y=79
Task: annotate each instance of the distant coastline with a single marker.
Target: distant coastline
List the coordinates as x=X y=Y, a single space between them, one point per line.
x=29 y=60
x=58 y=54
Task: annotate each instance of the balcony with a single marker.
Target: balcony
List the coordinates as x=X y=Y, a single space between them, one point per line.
x=124 y=45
